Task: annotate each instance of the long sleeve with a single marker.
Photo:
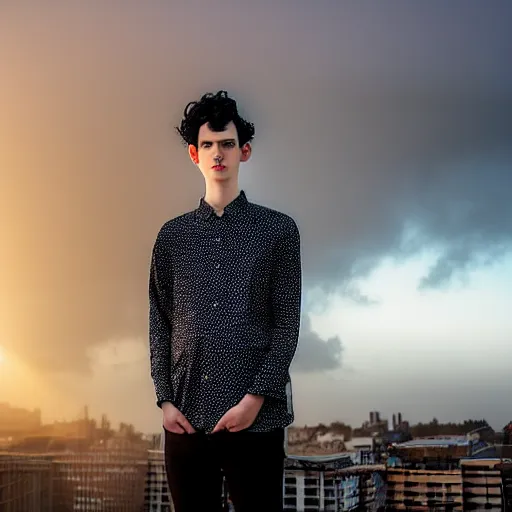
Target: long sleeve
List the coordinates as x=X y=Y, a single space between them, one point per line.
x=159 y=329
x=273 y=375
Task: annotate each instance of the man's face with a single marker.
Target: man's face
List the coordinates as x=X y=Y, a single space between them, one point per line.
x=218 y=154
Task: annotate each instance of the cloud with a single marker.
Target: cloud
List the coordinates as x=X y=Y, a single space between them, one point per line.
x=465 y=216
x=119 y=385
x=363 y=131
x=350 y=291
x=127 y=353
x=315 y=354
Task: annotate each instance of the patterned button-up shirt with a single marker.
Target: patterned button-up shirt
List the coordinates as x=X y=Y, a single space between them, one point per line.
x=225 y=305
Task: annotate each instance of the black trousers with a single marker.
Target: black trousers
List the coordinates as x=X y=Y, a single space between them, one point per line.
x=252 y=463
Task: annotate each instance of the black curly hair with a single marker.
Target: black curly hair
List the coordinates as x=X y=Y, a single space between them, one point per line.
x=218 y=110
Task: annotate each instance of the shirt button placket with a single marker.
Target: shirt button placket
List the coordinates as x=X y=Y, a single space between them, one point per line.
x=203 y=381
x=217 y=240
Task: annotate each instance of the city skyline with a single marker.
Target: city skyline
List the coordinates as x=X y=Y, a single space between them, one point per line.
x=383 y=131
x=11 y=424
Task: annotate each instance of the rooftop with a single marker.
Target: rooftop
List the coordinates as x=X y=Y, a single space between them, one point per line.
x=444 y=441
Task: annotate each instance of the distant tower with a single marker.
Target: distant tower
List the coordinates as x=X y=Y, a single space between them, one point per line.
x=86 y=424
x=394 y=421
x=37 y=416
x=105 y=424
x=377 y=417
x=399 y=418
x=372 y=418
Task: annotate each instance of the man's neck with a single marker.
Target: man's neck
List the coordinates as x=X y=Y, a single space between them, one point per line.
x=219 y=196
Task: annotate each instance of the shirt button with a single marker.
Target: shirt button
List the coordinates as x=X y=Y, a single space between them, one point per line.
x=206 y=377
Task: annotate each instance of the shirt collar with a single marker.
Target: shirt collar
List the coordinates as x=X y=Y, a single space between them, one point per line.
x=205 y=211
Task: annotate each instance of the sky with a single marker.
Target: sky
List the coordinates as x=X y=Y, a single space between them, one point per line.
x=384 y=130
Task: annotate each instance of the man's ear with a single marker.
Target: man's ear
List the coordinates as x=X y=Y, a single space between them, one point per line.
x=246 y=152
x=192 y=151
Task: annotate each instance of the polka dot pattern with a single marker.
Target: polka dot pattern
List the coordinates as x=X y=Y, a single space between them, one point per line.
x=224 y=312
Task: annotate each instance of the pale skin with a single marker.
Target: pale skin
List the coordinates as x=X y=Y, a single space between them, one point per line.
x=221 y=189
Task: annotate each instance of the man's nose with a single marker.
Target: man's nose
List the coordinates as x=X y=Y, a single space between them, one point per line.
x=218 y=153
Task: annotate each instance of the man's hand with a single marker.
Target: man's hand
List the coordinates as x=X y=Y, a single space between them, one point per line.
x=240 y=416
x=174 y=421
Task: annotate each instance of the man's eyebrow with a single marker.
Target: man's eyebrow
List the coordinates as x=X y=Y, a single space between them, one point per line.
x=223 y=140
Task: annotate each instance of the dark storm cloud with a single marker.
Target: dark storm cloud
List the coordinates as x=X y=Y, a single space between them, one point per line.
x=439 y=163
x=470 y=215
x=314 y=354
x=368 y=121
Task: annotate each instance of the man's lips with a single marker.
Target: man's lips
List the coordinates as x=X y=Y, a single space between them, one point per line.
x=218 y=167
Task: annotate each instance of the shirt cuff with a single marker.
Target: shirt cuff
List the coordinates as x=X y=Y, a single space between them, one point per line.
x=159 y=403
x=266 y=392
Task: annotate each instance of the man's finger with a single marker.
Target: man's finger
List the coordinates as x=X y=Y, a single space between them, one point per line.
x=183 y=422
x=176 y=428
x=220 y=426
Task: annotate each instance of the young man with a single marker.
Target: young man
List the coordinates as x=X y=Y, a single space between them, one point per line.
x=225 y=303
